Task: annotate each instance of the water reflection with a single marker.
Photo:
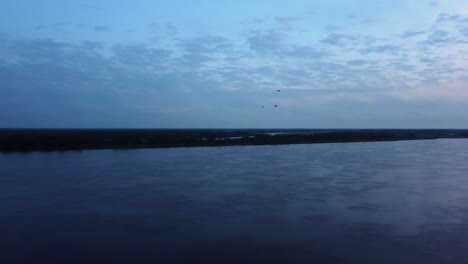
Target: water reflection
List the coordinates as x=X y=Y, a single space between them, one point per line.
x=392 y=202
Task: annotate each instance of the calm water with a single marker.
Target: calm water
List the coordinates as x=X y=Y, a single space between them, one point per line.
x=392 y=202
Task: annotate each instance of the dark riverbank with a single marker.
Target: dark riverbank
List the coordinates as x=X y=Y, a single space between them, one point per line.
x=22 y=140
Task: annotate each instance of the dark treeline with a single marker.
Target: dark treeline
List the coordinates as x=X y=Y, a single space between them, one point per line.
x=76 y=139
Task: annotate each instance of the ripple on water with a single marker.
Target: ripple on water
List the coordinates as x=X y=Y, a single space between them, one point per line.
x=386 y=202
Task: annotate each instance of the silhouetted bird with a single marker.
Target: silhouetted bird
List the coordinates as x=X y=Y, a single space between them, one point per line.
x=263 y=106
x=278 y=90
x=276 y=106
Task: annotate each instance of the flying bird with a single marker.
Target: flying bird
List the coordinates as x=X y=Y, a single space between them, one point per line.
x=276 y=105
x=278 y=90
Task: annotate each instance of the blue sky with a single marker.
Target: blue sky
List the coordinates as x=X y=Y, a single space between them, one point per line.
x=212 y=64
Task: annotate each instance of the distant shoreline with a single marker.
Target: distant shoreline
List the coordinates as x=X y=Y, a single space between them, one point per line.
x=28 y=140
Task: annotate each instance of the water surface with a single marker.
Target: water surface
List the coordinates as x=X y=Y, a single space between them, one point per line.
x=384 y=202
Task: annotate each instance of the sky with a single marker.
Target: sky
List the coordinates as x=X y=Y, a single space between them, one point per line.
x=214 y=64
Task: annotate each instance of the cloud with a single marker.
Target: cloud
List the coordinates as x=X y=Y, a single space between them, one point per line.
x=102 y=28
x=287 y=20
x=94 y=7
x=464 y=32
x=446 y=17
x=403 y=66
x=409 y=34
x=203 y=49
x=39 y=50
x=39 y=27
x=175 y=75
x=276 y=43
x=55 y=80
x=286 y=23
x=387 y=48
x=171 y=29
x=305 y=52
x=359 y=63
x=255 y=21
x=331 y=28
x=338 y=39
x=269 y=41
x=206 y=45
x=154 y=27
x=435 y=3
x=369 y=21
x=438 y=37
x=139 y=55
x=428 y=60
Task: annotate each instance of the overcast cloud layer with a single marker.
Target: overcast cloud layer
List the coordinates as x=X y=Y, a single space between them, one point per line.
x=338 y=64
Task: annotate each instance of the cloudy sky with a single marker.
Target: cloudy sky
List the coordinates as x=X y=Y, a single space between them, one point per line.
x=214 y=64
